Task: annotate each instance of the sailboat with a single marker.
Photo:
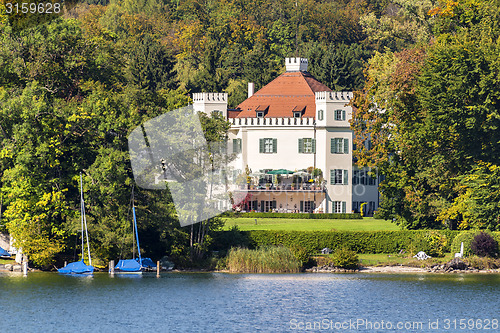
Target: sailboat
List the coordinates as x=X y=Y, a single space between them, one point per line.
x=131 y=266
x=79 y=267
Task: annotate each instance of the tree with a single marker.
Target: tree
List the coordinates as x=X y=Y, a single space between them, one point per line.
x=340 y=66
x=433 y=123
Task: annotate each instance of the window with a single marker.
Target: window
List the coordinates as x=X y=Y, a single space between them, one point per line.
x=371 y=207
x=338 y=177
x=260 y=114
x=268 y=146
x=266 y=206
x=236 y=146
x=355 y=177
x=307 y=206
x=339 y=114
x=339 y=207
x=216 y=112
x=339 y=146
x=320 y=114
x=371 y=180
x=307 y=146
x=355 y=206
x=297 y=114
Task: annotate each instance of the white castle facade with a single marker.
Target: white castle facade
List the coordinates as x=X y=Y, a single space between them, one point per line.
x=285 y=131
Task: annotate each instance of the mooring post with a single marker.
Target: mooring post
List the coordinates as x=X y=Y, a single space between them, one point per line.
x=65 y=263
x=25 y=268
x=112 y=267
x=158 y=269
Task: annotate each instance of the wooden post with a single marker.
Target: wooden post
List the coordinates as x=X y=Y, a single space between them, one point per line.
x=158 y=269
x=25 y=268
x=65 y=263
x=112 y=267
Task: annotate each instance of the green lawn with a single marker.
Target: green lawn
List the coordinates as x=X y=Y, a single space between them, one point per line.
x=366 y=224
x=394 y=259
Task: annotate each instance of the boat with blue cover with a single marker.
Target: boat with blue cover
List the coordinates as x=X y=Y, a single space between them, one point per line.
x=80 y=267
x=131 y=266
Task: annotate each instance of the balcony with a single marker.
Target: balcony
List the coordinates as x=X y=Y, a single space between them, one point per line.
x=284 y=188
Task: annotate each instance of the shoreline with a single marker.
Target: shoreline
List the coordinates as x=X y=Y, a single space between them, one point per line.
x=364 y=269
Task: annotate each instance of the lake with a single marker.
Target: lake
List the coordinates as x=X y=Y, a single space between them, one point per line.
x=219 y=302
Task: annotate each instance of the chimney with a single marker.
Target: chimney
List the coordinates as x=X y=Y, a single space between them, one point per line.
x=251 y=88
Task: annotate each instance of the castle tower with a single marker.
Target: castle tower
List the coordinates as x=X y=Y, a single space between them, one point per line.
x=210 y=102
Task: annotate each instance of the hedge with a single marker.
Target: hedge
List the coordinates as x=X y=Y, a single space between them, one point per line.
x=295 y=215
x=359 y=241
x=410 y=241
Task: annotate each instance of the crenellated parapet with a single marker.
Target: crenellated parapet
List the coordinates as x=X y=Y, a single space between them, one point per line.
x=210 y=97
x=209 y=102
x=275 y=122
x=334 y=96
x=296 y=64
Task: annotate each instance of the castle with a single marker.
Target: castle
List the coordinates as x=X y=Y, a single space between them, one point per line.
x=295 y=137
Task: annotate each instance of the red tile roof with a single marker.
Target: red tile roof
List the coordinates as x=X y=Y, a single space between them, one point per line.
x=289 y=91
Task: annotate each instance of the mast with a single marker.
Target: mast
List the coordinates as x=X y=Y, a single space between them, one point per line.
x=84 y=222
x=82 y=210
x=135 y=228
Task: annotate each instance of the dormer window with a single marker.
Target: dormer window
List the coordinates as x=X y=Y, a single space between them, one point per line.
x=261 y=111
x=298 y=111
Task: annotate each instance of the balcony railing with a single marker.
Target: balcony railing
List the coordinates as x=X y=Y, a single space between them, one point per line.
x=284 y=188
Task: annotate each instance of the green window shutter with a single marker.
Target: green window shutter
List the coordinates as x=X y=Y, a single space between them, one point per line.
x=261 y=145
x=301 y=146
x=343 y=114
x=302 y=206
x=274 y=204
x=235 y=145
x=239 y=145
x=262 y=206
x=314 y=146
x=275 y=145
x=345 y=177
x=346 y=146
x=332 y=146
x=332 y=177
x=343 y=206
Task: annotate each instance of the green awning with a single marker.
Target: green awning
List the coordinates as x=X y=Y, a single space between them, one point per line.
x=280 y=172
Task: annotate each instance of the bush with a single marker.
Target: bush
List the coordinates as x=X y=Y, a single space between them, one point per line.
x=484 y=245
x=295 y=215
x=345 y=258
x=302 y=254
x=437 y=243
x=225 y=240
x=466 y=237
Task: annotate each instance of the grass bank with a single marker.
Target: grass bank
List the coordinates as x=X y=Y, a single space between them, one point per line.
x=272 y=259
x=383 y=259
x=365 y=224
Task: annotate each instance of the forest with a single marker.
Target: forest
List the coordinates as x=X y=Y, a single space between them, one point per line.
x=426 y=77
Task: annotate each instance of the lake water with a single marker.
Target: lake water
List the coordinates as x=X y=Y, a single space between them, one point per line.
x=218 y=302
